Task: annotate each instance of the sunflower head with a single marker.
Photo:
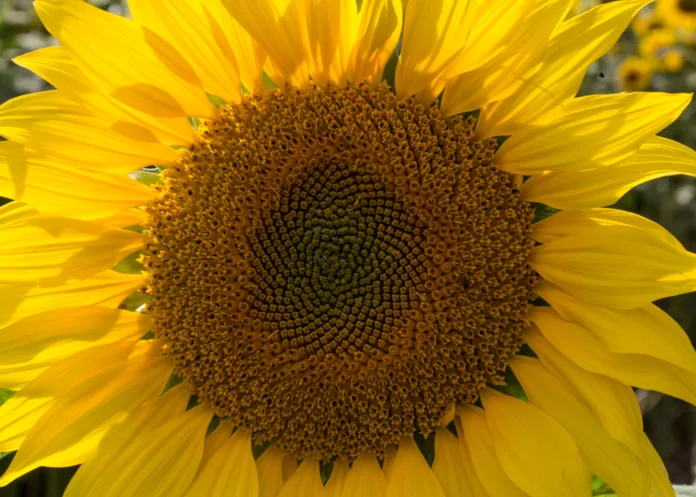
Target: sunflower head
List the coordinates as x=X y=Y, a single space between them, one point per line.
x=340 y=268
x=635 y=73
x=679 y=13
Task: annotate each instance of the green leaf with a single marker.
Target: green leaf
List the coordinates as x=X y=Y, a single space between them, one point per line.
x=4 y=395
x=130 y=264
x=147 y=177
x=542 y=212
x=600 y=487
x=267 y=81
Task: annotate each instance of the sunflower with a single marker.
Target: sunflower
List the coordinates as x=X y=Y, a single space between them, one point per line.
x=656 y=43
x=679 y=13
x=319 y=265
x=673 y=61
x=634 y=74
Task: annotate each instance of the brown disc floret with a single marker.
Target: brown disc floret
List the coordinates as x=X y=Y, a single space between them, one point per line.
x=335 y=268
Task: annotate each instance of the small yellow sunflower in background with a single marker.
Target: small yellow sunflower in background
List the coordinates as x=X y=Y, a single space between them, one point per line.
x=679 y=13
x=644 y=24
x=655 y=43
x=634 y=74
x=673 y=60
x=337 y=267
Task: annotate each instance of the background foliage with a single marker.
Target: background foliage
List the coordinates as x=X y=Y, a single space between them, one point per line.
x=670 y=423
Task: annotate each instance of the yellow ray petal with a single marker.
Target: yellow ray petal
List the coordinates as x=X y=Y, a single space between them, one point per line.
x=585 y=350
x=611 y=401
x=575 y=45
x=601 y=129
x=230 y=471
x=448 y=465
x=378 y=31
x=532 y=447
x=365 y=478
x=334 y=486
x=496 y=25
x=59 y=190
x=56 y=66
x=270 y=470
x=621 y=261
x=50 y=251
x=236 y=44
x=517 y=63
x=59 y=128
x=187 y=27
x=148 y=74
x=275 y=26
x=70 y=431
x=472 y=479
x=605 y=457
x=31 y=345
x=656 y=158
x=476 y=447
x=411 y=476
x=446 y=24
x=125 y=219
x=305 y=482
x=160 y=463
x=19 y=414
x=646 y=330
x=108 y=289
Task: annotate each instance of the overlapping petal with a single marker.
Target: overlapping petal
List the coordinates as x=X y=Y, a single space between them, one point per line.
x=59 y=128
x=51 y=251
x=33 y=344
x=148 y=75
x=612 y=258
x=601 y=186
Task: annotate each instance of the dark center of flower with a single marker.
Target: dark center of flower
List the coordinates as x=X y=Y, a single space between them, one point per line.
x=687 y=6
x=335 y=269
x=633 y=76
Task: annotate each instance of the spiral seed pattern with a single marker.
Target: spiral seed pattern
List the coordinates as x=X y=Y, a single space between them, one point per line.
x=335 y=268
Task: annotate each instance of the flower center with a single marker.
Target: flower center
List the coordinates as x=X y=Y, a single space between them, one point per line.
x=687 y=5
x=335 y=269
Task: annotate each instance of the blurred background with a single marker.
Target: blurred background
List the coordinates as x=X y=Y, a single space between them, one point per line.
x=657 y=53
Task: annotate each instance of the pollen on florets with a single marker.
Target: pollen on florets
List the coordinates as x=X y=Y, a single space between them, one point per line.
x=335 y=268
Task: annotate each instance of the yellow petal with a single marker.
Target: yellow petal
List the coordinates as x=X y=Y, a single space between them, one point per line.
x=496 y=25
x=612 y=461
x=657 y=157
x=646 y=330
x=31 y=345
x=189 y=28
x=19 y=414
x=365 y=478
x=160 y=463
x=611 y=401
x=305 y=482
x=236 y=44
x=59 y=190
x=125 y=219
x=388 y=461
x=270 y=470
x=517 y=63
x=448 y=465
x=70 y=431
x=411 y=476
x=446 y=25
x=147 y=73
x=476 y=447
x=230 y=471
x=533 y=447
x=613 y=258
x=575 y=45
x=334 y=486
x=596 y=129
x=61 y=129
x=108 y=289
x=276 y=26
x=50 y=251
x=584 y=349
x=56 y=66
x=378 y=31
